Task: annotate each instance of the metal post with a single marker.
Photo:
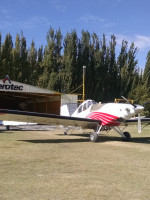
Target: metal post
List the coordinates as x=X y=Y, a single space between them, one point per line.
x=84 y=67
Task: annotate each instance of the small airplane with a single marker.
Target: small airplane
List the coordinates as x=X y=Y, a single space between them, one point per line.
x=89 y=115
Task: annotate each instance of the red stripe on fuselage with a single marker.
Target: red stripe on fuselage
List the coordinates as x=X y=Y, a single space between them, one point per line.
x=106 y=119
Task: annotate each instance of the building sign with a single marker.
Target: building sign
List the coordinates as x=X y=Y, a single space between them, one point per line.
x=9 y=86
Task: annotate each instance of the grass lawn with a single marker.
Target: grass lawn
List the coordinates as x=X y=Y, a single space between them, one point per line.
x=47 y=165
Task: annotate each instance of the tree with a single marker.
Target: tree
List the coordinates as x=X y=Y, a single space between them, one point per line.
x=141 y=90
x=24 y=67
x=39 y=68
x=112 y=76
x=59 y=65
x=0 y=50
x=95 y=67
x=127 y=65
x=132 y=68
x=6 y=57
x=85 y=54
x=122 y=65
x=32 y=61
x=54 y=79
x=52 y=60
x=69 y=72
x=146 y=75
x=16 y=59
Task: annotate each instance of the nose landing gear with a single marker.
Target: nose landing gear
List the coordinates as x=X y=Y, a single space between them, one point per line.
x=127 y=137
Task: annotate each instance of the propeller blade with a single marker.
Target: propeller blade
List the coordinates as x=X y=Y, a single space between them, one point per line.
x=129 y=102
x=139 y=123
x=125 y=99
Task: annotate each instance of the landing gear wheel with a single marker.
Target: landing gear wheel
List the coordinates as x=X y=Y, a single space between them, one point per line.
x=127 y=136
x=65 y=133
x=93 y=136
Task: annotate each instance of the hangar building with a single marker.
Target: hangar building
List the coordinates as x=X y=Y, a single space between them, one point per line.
x=19 y=96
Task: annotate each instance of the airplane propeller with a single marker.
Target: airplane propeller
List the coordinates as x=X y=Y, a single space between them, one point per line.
x=139 y=123
x=129 y=102
x=138 y=108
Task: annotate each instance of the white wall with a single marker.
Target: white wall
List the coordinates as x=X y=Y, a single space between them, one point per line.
x=69 y=104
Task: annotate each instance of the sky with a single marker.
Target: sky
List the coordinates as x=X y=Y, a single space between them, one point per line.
x=126 y=19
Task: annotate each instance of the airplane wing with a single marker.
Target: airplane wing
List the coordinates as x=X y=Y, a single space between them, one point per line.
x=145 y=121
x=47 y=119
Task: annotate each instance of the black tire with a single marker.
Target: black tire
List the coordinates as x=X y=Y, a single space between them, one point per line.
x=127 y=136
x=7 y=128
x=93 y=136
x=65 y=133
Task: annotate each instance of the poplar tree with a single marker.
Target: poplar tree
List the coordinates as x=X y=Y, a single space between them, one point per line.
x=69 y=71
x=6 y=56
x=143 y=90
x=16 y=59
x=146 y=75
x=85 y=54
x=112 y=76
x=0 y=51
x=54 y=78
x=48 y=60
x=52 y=60
x=95 y=67
x=39 y=68
x=24 y=67
x=104 y=69
x=127 y=65
x=131 y=68
x=33 y=65
x=121 y=63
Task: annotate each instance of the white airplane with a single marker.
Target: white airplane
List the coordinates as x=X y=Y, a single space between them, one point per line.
x=89 y=115
x=111 y=115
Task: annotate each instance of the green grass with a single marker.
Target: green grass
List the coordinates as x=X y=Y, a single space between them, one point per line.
x=37 y=165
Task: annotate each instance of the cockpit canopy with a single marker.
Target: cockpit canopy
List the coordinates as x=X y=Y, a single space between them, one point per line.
x=85 y=105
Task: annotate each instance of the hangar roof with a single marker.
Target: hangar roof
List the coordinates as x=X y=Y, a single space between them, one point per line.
x=19 y=96
x=13 y=86
x=13 y=93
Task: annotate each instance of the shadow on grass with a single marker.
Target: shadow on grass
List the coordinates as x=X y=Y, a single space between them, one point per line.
x=144 y=140
x=6 y=132
x=85 y=138
x=55 y=141
x=140 y=140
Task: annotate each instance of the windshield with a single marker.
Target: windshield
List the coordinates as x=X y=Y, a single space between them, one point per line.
x=85 y=105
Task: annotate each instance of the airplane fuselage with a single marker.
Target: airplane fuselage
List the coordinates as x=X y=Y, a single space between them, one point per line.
x=110 y=114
